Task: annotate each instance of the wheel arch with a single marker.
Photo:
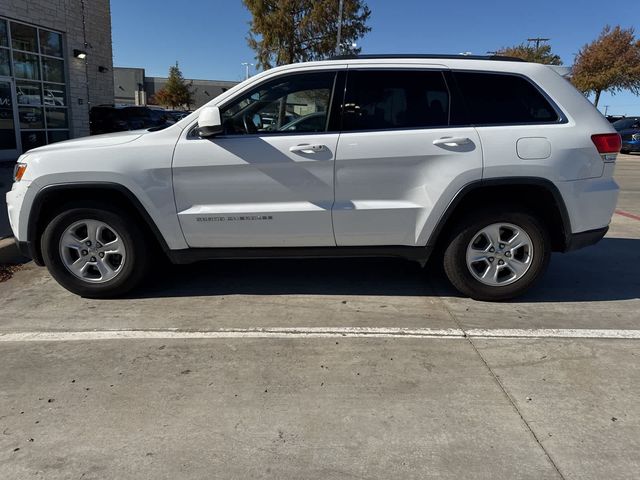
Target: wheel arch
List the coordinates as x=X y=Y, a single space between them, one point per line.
x=52 y=199
x=539 y=195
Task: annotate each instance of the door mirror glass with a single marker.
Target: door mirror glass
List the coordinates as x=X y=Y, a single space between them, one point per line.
x=209 y=123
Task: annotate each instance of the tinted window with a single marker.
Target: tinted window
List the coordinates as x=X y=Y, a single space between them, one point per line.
x=626 y=123
x=395 y=99
x=502 y=99
x=279 y=104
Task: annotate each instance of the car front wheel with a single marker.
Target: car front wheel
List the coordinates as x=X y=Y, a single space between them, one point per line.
x=497 y=255
x=95 y=252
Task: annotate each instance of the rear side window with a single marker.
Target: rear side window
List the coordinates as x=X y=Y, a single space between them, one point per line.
x=401 y=99
x=497 y=99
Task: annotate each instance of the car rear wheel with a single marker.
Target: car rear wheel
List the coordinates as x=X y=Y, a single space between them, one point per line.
x=497 y=255
x=95 y=252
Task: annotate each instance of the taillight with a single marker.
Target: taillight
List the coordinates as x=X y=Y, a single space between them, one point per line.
x=607 y=143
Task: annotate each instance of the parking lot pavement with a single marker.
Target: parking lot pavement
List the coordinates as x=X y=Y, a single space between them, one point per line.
x=580 y=398
x=320 y=408
x=628 y=176
x=329 y=369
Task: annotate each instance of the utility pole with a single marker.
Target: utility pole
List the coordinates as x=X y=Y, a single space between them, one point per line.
x=246 y=69
x=606 y=109
x=537 y=41
x=339 y=39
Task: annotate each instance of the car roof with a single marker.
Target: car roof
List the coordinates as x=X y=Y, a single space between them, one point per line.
x=501 y=58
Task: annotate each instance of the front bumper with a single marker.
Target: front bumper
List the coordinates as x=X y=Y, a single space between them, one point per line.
x=15 y=198
x=25 y=249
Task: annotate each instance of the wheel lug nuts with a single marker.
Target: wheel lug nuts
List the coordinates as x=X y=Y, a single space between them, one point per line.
x=491 y=259
x=93 y=259
x=85 y=253
x=88 y=244
x=508 y=254
x=502 y=245
x=101 y=254
x=500 y=262
x=492 y=249
x=98 y=245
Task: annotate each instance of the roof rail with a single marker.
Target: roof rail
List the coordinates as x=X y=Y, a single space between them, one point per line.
x=501 y=58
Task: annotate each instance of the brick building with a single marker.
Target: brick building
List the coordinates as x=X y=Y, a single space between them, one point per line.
x=55 y=62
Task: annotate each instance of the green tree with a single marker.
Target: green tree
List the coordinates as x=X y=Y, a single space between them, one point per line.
x=531 y=53
x=609 y=63
x=288 y=31
x=176 y=93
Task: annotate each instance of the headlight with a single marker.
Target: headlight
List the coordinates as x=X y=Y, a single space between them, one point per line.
x=635 y=137
x=18 y=171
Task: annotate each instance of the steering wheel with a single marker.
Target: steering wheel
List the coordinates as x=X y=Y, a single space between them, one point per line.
x=249 y=126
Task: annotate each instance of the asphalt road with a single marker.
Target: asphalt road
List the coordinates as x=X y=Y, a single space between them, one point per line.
x=329 y=369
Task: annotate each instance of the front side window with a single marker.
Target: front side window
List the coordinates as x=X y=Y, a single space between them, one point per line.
x=293 y=103
x=401 y=99
x=501 y=99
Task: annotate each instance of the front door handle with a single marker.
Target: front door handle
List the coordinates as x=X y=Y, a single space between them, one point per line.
x=306 y=148
x=452 y=141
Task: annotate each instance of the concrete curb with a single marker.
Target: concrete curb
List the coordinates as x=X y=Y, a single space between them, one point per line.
x=9 y=253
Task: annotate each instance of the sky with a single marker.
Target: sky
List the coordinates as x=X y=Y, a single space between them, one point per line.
x=208 y=37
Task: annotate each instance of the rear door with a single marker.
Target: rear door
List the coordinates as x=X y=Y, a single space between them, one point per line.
x=399 y=162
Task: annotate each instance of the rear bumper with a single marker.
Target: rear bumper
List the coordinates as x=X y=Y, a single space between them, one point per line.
x=585 y=239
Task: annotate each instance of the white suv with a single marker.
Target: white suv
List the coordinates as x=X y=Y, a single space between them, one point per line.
x=492 y=162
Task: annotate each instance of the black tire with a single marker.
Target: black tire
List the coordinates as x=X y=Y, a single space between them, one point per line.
x=134 y=267
x=455 y=263
x=624 y=152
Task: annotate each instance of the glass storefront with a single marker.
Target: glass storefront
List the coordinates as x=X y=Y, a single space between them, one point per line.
x=33 y=91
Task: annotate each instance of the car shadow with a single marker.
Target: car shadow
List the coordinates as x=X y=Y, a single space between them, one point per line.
x=607 y=271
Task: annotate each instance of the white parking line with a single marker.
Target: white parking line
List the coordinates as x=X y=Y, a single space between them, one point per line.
x=316 y=332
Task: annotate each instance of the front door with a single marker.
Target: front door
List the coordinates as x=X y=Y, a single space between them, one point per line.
x=268 y=180
x=8 y=131
x=398 y=159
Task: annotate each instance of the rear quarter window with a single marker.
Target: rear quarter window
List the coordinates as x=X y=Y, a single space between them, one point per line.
x=502 y=99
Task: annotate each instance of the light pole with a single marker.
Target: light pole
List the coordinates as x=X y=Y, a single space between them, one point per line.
x=339 y=37
x=246 y=69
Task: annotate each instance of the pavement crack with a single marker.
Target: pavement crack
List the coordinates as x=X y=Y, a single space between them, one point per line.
x=498 y=382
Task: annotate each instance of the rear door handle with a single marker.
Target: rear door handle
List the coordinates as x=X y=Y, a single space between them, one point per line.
x=306 y=148
x=452 y=141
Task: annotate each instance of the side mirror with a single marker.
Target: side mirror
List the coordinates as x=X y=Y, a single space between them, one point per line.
x=209 y=123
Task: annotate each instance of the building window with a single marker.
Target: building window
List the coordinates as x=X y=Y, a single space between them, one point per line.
x=34 y=57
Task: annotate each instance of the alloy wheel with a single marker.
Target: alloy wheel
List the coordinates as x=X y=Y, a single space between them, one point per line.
x=499 y=254
x=92 y=250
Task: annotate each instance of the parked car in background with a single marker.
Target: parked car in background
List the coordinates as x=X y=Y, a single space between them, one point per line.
x=174 y=116
x=614 y=118
x=629 y=130
x=314 y=122
x=119 y=118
